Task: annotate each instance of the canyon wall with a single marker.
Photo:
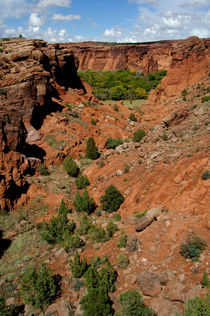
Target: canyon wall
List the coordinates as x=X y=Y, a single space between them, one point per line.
x=28 y=71
x=143 y=57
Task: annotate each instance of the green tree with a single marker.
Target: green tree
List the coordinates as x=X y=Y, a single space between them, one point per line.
x=82 y=181
x=58 y=226
x=198 y=306
x=118 y=93
x=63 y=208
x=83 y=203
x=38 y=287
x=112 y=199
x=97 y=303
x=205 y=280
x=91 y=149
x=78 y=267
x=107 y=277
x=70 y=167
x=132 y=305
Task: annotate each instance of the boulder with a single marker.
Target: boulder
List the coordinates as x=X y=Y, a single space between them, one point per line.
x=162 y=307
x=63 y=308
x=149 y=283
x=133 y=243
x=148 y=218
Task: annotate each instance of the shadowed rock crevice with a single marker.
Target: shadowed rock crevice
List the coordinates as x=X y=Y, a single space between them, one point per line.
x=14 y=191
x=4 y=244
x=40 y=112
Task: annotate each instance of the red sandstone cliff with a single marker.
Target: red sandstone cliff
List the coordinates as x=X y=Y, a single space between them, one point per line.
x=28 y=70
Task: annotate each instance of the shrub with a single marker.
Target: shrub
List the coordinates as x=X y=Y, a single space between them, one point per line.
x=198 y=306
x=73 y=242
x=69 y=106
x=113 y=143
x=84 y=225
x=132 y=117
x=139 y=215
x=92 y=121
x=91 y=149
x=126 y=167
x=117 y=217
x=3 y=92
x=123 y=240
x=78 y=284
x=165 y=137
x=206 y=98
x=132 y=304
x=82 y=181
x=43 y=170
x=78 y=267
x=193 y=246
x=138 y=135
x=4 y=309
x=116 y=108
x=205 y=280
x=112 y=199
x=54 y=232
x=111 y=228
x=63 y=208
x=82 y=203
x=70 y=167
x=205 y=175
x=122 y=261
x=98 y=234
x=38 y=287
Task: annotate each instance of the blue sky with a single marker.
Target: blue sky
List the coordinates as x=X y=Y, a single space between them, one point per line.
x=105 y=20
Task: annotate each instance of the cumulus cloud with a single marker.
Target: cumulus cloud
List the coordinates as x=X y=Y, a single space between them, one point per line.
x=69 y=17
x=113 y=32
x=174 y=20
x=35 y=22
x=59 y=3
x=170 y=19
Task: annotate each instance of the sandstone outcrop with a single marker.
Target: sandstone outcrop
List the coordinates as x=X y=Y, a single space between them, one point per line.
x=29 y=69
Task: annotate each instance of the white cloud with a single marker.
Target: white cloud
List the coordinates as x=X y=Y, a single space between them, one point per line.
x=35 y=22
x=174 y=20
x=170 y=19
x=113 y=32
x=59 y=3
x=13 y=8
x=69 y=17
x=194 y=3
x=202 y=33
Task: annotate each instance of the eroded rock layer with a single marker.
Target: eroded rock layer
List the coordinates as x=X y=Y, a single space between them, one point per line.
x=28 y=71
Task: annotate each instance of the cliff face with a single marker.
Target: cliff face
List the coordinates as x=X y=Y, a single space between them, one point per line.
x=146 y=57
x=189 y=64
x=28 y=70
